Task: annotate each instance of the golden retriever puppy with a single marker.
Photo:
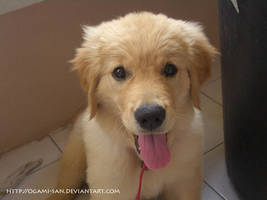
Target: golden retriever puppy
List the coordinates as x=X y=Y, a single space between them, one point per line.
x=142 y=73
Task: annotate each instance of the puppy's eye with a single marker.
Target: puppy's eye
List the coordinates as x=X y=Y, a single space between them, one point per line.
x=119 y=73
x=170 y=70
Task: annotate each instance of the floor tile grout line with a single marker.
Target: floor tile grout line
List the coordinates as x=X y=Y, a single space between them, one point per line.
x=54 y=161
x=42 y=167
x=58 y=147
x=213 y=148
x=219 y=77
x=214 y=101
x=35 y=171
x=211 y=81
x=214 y=190
x=47 y=164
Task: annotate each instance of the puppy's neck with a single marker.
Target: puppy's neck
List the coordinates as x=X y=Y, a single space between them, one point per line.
x=106 y=118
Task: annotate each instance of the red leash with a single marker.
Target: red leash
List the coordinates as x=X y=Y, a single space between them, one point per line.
x=140 y=182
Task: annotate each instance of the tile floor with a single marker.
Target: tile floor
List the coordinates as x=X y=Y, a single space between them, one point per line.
x=216 y=184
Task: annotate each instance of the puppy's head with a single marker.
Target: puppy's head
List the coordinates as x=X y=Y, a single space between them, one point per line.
x=145 y=71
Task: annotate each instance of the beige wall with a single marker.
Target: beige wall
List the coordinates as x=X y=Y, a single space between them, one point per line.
x=37 y=91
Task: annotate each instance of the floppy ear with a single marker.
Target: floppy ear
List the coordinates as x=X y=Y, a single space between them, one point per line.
x=89 y=77
x=200 y=68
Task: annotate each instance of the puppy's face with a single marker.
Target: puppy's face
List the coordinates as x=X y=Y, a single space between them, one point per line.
x=144 y=70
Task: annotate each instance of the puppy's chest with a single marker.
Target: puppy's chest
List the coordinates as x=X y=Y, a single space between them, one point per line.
x=153 y=183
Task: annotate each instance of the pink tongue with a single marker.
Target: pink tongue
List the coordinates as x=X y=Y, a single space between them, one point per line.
x=154 y=150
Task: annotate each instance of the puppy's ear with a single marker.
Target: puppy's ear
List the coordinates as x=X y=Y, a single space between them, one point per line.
x=89 y=75
x=201 y=61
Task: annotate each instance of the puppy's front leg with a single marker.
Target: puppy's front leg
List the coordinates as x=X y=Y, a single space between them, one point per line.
x=73 y=164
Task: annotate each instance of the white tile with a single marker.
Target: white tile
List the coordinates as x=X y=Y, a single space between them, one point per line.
x=60 y=136
x=45 y=178
x=213 y=123
x=44 y=149
x=215 y=173
x=10 y=5
x=209 y=194
x=214 y=90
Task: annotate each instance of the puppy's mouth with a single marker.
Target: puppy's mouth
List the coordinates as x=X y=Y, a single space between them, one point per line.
x=153 y=150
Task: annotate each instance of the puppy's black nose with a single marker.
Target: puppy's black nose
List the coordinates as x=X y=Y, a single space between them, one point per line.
x=150 y=117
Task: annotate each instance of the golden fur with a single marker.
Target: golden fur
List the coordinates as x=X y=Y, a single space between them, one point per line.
x=101 y=145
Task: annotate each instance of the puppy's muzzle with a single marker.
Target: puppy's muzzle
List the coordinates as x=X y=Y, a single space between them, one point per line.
x=149 y=116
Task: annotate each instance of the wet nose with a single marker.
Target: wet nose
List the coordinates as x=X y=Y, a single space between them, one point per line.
x=150 y=117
